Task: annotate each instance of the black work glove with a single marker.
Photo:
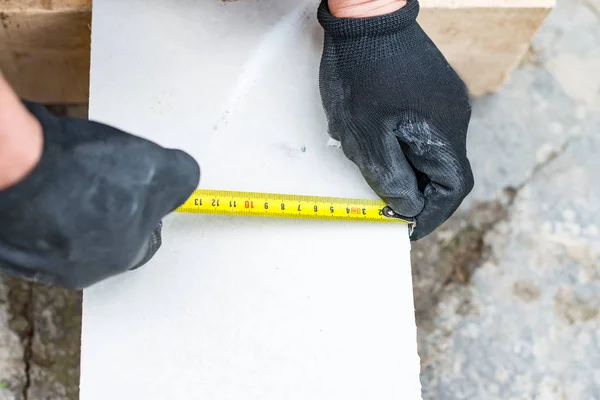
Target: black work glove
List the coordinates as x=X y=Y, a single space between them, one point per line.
x=400 y=112
x=92 y=207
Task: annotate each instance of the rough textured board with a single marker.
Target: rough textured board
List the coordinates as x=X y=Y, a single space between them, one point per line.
x=236 y=308
x=483 y=44
x=44 y=49
x=50 y=5
x=484 y=40
x=449 y=4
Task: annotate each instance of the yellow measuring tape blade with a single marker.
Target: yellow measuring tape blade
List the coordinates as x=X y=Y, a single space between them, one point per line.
x=273 y=205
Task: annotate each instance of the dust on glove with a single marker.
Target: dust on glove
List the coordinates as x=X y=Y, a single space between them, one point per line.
x=92 y=207
x=400 y=112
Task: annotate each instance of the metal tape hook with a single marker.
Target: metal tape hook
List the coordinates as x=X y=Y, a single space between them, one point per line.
x=412 y=222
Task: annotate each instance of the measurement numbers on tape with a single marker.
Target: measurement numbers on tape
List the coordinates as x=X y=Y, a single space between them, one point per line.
x=289 y=206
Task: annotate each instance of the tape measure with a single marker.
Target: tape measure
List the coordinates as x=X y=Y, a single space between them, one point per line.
x=273 y=205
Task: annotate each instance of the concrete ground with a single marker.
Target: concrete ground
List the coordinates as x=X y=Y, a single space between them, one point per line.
x=507 y=293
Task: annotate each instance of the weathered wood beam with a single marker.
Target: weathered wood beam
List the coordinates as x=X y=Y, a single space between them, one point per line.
x=483 y=39
x=45 y=48
x=45 y=44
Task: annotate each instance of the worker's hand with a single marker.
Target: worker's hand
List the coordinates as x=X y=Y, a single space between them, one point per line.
x=92 y=206
x=399 y=110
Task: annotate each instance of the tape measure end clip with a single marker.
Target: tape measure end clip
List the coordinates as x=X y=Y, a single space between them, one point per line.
x=388 y=212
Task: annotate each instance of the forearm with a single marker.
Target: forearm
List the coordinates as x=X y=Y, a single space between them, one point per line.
x=363 y=8
x=21 y=140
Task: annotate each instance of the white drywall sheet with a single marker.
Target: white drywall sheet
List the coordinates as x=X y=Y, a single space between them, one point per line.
x=242 y=308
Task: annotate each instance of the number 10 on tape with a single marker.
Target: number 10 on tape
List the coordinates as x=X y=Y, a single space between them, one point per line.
x=289 y=206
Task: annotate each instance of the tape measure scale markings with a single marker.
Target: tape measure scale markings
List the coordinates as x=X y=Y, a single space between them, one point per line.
x=274 y=205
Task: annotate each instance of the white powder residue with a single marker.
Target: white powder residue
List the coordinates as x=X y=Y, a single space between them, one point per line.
x=280 y=35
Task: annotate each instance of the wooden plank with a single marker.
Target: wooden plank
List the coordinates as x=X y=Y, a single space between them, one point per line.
x=455 y=4
x=483 y=39
x=44 y=49
x=55 y=5
x=484 y=45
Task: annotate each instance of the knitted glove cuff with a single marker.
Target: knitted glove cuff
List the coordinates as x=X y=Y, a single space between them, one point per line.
x=371 y=26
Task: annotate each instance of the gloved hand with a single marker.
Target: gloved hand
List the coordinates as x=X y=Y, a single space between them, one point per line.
x=92 y=207
x=400 y=112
